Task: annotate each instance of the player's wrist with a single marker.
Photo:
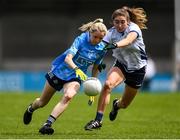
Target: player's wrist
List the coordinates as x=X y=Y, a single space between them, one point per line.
x=115 y=45
x=76 y=68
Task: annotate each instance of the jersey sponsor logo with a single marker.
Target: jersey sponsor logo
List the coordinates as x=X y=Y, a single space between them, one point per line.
x=91 y=54
x=83 y=62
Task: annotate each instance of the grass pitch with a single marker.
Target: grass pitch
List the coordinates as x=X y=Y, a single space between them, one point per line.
x=150 y=116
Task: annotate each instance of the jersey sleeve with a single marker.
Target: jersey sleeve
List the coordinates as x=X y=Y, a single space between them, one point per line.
x=76 y=44
x=107 y=37
x=135 y=28
x=74 y=47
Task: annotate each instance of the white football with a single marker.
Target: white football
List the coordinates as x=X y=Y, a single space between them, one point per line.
x=92 y=86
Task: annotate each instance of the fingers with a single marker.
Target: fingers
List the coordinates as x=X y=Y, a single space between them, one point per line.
x=81 y=75
x=91 y=100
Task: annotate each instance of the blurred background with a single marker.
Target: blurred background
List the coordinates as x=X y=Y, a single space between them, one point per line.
x=34 y=32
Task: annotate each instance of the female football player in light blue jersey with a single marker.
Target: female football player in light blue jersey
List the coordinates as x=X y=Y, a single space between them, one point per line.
x=125 y=38
x=68 y=70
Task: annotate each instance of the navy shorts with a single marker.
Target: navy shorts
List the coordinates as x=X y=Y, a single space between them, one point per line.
x=134 y=78
x=58 y=83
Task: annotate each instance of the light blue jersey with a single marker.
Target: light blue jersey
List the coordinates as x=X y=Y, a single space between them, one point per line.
x=84 y=54
x=133 y=56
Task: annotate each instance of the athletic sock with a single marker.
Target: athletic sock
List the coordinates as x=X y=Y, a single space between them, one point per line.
x=50 y=120
x=99 y=116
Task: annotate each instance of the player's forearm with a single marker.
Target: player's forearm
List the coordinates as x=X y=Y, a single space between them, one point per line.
x=70 y=62
x=128 y=40
x=123 y=43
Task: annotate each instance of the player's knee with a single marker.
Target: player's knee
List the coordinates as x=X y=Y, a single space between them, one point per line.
x=68 y=97
x=108 y=86
x=69 y=94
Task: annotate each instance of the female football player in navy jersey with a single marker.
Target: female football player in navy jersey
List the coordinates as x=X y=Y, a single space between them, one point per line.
x=68 y=70
x=125 y=38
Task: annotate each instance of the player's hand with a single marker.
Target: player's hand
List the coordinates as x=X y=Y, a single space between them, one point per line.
x=80 y=74
x=110 y=46
x=101 y=67
x=91 y=100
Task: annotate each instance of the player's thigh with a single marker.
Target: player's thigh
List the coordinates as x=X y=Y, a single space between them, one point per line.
x=115 y=76
x=71 y=88
x=47 y=93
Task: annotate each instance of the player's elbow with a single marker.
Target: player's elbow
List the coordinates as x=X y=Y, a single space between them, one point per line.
x=68 y=58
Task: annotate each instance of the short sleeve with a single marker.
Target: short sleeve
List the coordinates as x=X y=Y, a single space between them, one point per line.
x=135 y=28
x=107 y=37
x=76 y=44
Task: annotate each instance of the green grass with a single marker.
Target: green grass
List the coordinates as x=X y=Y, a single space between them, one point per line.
x=150 y=116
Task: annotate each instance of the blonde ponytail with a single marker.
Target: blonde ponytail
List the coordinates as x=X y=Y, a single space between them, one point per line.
x=96 y=25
